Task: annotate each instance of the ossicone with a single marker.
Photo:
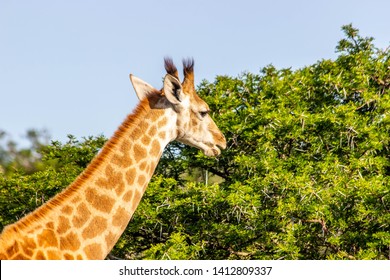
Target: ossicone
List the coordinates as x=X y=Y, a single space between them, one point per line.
x=170 y=67
x=188 y=66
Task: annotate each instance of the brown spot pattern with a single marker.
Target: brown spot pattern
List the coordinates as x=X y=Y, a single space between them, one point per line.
x=93 y=251
x=110 y=239
x=136 y=199
x=111 y=180
x=47 y=238
x=152 y=130
x=122 y=158
x=130 y=176
x=12 y=250
x=70 y=242
x=162 y=122
x=120 y=218
x=162 y=134
x=139 y=152
x=82 y=216
x=141 y=180
x=28 y=246
x=68 y=257
x=137 y=133
x=145 y=140
x=142 y=166
x=40 y=256
x=67 y=210
x=76 y=200
x=53 y=255
x=120 y=188
x=63 y=225
x=101 y=202
x=95 y=227
x=128 y=196
x=50 y=225
x=155 y=150
x=125 y=147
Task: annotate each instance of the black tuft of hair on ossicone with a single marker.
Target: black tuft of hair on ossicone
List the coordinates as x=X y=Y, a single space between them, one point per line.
x=188 y=66
x=170 y=67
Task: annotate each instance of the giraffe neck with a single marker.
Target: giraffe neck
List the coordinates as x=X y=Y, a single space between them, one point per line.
x=88 y=217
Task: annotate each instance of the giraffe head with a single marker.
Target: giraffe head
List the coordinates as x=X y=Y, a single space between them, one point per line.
x=194 y=125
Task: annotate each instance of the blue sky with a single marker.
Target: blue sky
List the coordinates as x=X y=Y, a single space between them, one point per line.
x=64 y=65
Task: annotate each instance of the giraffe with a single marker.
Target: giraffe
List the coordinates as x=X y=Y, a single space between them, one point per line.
x=86 y=219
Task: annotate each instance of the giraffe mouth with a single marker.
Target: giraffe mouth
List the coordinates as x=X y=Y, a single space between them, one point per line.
x=212 y=151
x=215 y=149
x=208 y=149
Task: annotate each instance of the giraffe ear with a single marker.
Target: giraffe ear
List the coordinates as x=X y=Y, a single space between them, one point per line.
x=173 y=89
x=141 y=88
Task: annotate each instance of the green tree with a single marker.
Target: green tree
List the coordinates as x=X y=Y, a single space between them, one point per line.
x=28 y=159
x=21 y=192
x=305 y=174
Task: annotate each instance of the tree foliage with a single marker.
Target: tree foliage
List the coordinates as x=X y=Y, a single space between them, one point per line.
x=305 y=174
x=28 y=159
x=21 y=192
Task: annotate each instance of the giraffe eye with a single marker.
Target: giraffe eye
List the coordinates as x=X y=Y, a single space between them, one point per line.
x=203 y=113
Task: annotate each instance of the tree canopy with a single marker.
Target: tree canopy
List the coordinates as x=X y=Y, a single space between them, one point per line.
x=305 y=174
